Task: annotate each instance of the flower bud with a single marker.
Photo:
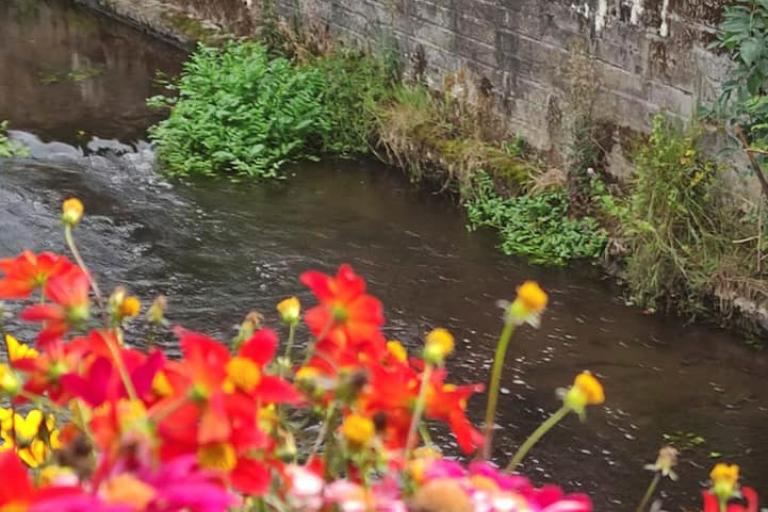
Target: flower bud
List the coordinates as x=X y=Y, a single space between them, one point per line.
x=71 y=212
x=439 y=345
x=123 y=306
x=10 y=384
x=290 y=310
x=156 y=312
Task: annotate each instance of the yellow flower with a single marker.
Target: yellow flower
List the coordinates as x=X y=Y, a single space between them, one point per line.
x=725 y=479
x=71 y=212
x=439 y=345
x=397 y=350
x=530 y=303
x=586 y=390
x=130 y=307
x=290 y=310
x=33 y=437
x=123 y=306
x=590 y=387
x=532 y=296
x=358 y=430
x=18 y=350
x=243 y=373
x=9 y=382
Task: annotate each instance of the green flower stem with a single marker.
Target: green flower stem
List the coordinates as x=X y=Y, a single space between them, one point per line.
x=289 y=343
x=120 y=364
x=493 y=388
x=536 y=437
x=418 y=410
x=70 y=239
x=324 y=429
x=649 y=492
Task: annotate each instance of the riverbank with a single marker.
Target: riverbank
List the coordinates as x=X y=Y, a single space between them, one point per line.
x=218 y=249
x=444 y=137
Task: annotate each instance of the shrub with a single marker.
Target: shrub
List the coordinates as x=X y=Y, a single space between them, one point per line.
x=354 y=85
x=536 y=227
x=8 y=147
x=239 y=112
x=681 y=226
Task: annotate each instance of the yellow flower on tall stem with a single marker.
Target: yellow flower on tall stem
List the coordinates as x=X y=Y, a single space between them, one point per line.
x=586 y=390
x=527 y=307
x=71 y=212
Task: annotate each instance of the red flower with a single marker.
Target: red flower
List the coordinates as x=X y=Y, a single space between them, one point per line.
x=347 y=319
x=98 y=379
x=68 y=293
x=215 y=410
x=711 y=503
x=393 y=389
x=44 y=372
x=28 y=271
x=16 y=491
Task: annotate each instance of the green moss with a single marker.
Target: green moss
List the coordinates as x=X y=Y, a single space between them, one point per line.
x=193 y=28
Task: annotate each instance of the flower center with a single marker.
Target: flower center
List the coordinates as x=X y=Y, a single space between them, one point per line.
x=219 y=456
x=243 y=373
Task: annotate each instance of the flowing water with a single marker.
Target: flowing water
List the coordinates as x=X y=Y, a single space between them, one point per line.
x=72 y=81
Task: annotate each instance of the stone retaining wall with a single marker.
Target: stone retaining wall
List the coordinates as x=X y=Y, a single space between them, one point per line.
x=645 y=56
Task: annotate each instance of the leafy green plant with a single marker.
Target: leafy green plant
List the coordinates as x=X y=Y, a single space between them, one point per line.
x=8 y=147
x=239 y=112
x=536 y=227
x=681 y=230
x=355 y=84
x=743 y=33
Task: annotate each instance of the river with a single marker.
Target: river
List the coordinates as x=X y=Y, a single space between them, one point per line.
x=73 y=83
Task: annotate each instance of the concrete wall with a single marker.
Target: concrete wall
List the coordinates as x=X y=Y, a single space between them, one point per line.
x=648 y=55
x=645 y=56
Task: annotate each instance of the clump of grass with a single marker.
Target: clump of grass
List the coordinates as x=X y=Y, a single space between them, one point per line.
x=687 y=239
x=421 y=132
x=9 y=148
x=535 y=226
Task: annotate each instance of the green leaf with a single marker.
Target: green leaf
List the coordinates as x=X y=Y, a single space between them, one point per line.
x=751 y=49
